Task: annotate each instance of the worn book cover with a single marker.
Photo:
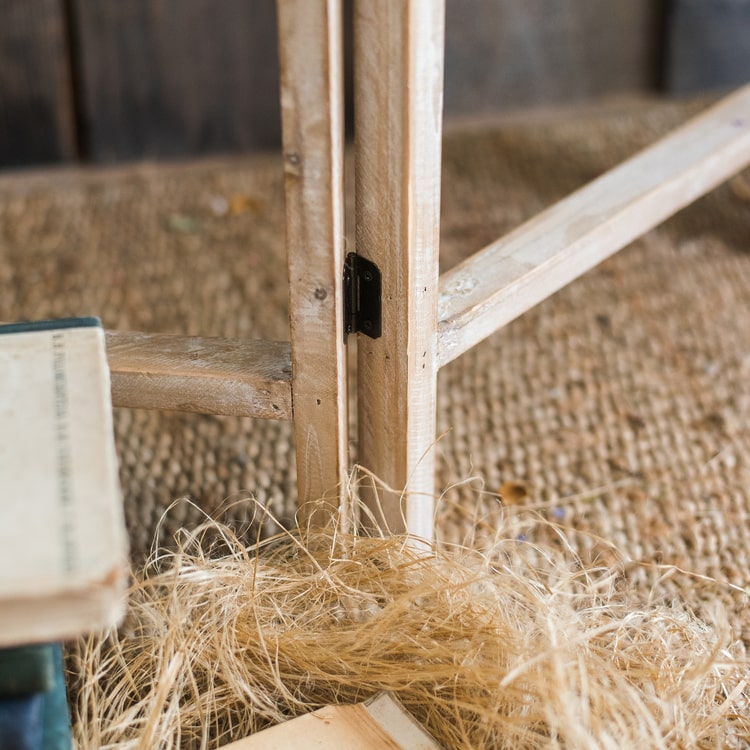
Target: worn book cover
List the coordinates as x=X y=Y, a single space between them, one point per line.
x=63 y=546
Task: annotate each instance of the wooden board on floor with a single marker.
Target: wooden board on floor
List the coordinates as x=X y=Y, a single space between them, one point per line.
x=381 y=723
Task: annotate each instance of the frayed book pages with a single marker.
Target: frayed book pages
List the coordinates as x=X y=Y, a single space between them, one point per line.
x=63 y=542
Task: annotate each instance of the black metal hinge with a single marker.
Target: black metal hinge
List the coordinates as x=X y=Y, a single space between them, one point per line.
x=362 y=293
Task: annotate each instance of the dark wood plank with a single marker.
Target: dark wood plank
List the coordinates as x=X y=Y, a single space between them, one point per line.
x=507 y=54
x=708 y=44
x=173 y=77
x=36 y=104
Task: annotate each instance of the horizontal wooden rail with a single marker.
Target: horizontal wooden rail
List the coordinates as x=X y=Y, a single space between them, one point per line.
x=209 y=375
x=514 y=273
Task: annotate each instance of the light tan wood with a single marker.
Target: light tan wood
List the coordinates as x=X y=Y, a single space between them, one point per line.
x=310 y=44
x=398 y=64
x=519 y=270
x=209 y=375
x=379 y=724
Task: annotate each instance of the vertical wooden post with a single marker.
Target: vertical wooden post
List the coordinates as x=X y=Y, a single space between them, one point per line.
x=310 y=50
x=398 y=78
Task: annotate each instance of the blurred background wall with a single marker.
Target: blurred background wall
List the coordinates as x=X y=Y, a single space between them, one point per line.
x=116 y=80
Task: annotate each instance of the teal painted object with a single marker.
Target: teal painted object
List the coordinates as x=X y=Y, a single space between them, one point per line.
x=26 y=670
x=56 y=721
x=51 y=325
x=33 y=703
x=21 y=722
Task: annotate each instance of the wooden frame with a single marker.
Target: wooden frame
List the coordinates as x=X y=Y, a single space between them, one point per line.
x=427 y=320
x=312 y=96
x=398 y=78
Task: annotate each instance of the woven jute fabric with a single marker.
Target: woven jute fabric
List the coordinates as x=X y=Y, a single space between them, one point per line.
x=619 y=408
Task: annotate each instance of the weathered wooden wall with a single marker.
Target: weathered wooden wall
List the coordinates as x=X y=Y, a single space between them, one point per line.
x=113 y=80
x=37 y=121
x=708 y=44
x=507 y=55
x=172 y=77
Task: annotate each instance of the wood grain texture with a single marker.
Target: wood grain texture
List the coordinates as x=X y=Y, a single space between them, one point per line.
x=311 y=54
x=171 y=77
x=381 y=723
x=508 y=54
x=398 y=76
x=36 y=103
x=207 y=375
x=519 y=270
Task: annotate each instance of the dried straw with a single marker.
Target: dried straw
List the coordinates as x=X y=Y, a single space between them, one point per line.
x=513 y=647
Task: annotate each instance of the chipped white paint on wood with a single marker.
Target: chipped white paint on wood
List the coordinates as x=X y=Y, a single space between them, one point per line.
x=398 y=69
x=517 y=271
x=310 y=50
x=207 y=375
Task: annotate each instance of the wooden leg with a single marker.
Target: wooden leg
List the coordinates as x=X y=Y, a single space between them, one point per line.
x=398 y=78
x=520 y=269
x=310 y=44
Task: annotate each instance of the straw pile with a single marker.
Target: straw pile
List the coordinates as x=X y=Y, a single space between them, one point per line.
x=514 y=646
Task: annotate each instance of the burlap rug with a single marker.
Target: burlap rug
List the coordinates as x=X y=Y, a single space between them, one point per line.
x=619 y=408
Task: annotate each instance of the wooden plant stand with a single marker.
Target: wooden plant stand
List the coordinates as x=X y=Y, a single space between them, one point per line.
x=427 y=319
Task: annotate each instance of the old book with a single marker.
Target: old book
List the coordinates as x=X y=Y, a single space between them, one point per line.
x=63 y=548
x=381 y=723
